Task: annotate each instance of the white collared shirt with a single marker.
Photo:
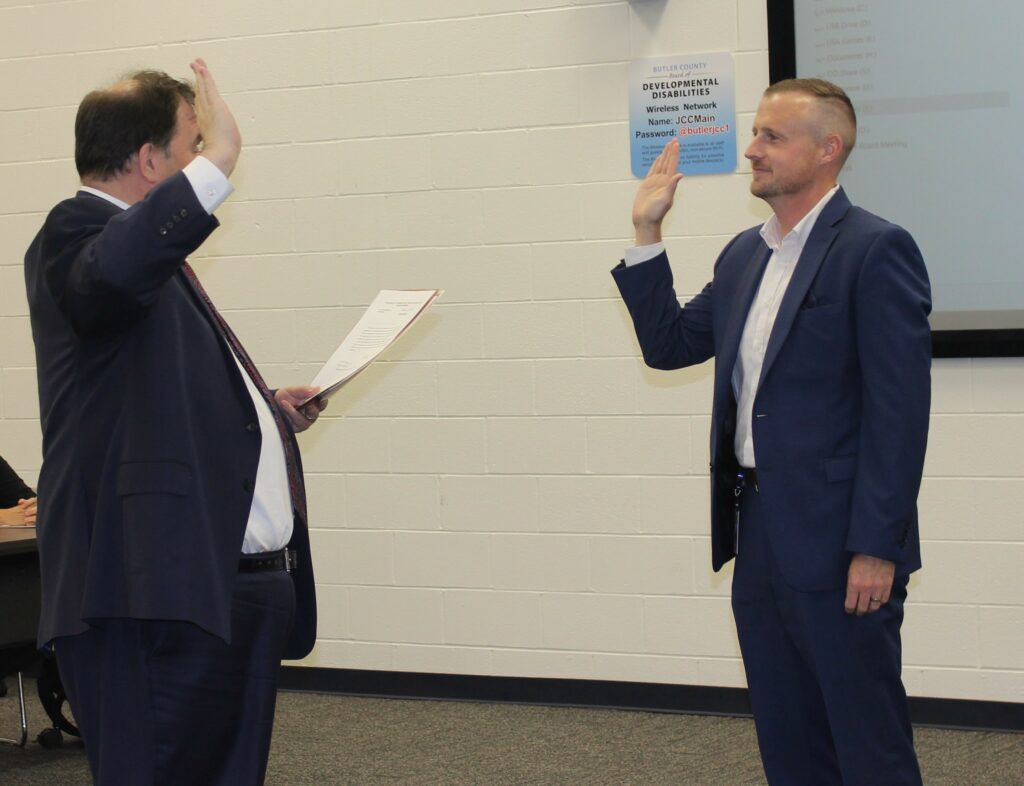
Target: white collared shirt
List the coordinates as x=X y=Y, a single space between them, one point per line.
x=761 y=317
x=270 y=523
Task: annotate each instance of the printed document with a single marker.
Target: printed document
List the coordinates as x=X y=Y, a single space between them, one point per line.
x=390 y=314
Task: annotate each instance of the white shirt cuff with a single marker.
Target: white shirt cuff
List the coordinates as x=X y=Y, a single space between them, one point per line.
x=209 y=183
x=638 y=254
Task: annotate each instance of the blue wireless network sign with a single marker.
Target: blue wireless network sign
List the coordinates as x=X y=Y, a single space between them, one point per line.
x=689 y=97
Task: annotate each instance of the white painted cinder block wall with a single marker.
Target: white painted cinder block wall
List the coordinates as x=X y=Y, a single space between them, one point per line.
x=511 y=491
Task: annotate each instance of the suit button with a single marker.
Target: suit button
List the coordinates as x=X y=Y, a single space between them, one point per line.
x=183 y=213
x=247 y=484
x=252 y=428
x=163 y=230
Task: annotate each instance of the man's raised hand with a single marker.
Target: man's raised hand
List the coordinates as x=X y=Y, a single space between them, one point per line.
x=222 y=140
x=655 y=195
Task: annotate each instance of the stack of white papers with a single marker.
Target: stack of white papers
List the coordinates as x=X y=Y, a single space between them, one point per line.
x=390 y=314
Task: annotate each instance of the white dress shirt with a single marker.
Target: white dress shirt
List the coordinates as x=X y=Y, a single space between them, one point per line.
x=761 y=317
x=269 y=527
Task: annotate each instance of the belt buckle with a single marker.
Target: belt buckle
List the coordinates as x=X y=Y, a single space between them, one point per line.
x=291 y=560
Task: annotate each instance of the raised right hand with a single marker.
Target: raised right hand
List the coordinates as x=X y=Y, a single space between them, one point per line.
x=222 y=141
x=654 y=197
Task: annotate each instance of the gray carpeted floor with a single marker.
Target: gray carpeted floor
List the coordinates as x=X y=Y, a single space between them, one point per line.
x=323 y=740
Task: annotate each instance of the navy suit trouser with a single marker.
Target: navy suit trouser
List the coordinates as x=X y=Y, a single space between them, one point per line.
x=829 y=704
x=162 y=703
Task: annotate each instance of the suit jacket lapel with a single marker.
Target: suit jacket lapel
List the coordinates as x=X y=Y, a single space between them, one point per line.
x=811 y=259
x=725 y=358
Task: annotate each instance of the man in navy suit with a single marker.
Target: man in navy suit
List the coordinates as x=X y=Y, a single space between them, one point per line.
x=818 y=323
x=172 y=534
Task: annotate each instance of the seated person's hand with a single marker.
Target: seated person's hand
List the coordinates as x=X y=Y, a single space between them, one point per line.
x=21 y=515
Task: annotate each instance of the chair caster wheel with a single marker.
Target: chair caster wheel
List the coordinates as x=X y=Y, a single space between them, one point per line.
x=50 y=738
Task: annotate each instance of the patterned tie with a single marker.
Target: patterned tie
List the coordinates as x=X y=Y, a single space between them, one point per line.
x=294 y=479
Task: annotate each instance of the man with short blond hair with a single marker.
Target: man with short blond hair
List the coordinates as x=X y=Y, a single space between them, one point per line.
x=818 y=323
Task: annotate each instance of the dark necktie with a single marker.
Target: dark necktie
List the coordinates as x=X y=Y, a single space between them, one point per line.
x=294 y=479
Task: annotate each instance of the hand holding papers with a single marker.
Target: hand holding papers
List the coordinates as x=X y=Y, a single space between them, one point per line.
x=388 y=317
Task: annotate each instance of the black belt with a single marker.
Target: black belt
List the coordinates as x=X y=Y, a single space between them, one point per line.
x=747 y=476
x=285 y=559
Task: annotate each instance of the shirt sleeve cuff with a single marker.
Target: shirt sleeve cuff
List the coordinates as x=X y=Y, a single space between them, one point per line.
x=209 y=183
x=638 y=254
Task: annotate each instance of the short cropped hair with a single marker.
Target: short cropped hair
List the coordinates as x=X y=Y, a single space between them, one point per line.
x=113 y=123
x=833 y=98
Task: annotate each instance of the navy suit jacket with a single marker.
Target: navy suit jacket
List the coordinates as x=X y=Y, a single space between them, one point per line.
x=840 y=417
x=150 y=438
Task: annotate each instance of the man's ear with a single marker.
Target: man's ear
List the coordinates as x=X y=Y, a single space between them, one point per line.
x=831 y=148
x=145 y=161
